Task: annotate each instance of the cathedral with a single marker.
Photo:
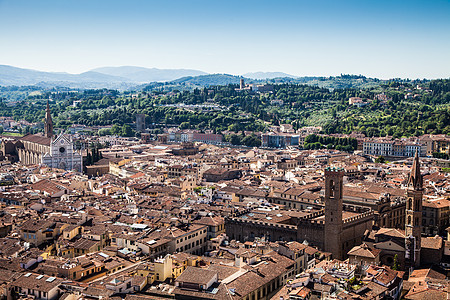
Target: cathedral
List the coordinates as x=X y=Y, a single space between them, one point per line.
x=47 y=149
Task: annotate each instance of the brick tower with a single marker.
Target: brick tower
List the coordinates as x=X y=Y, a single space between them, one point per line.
x=413 y=227
x=48 y=127
x=333 y=211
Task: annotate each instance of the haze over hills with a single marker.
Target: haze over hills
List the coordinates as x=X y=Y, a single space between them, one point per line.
x=267 y=75
x=125 y=77
x=17 y=76
x=139 y=78
x=141 y=75
x=108 y=77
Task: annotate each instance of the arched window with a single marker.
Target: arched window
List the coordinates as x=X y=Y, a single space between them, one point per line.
x=331 y=188
x=409 y=203
x=409 y=220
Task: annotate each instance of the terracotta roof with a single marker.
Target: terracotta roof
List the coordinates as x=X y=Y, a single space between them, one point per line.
x=432 y=242
x=48 y=186
x=422 y=290
x=84 y=244
x=37 y=282
x=441 y=203
x=245 y=284
x=421 y=274
x=384 y=275
x=35 y=225
x=196 y=275
x=37 y=138
x=364 y=251
x=296 y=246
x=391 y=232
x=310 y=250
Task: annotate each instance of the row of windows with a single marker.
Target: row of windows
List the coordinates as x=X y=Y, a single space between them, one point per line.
x=189 y=246
x=289 y=204
x=31 y=292
x=29 y=236
x=191 y=235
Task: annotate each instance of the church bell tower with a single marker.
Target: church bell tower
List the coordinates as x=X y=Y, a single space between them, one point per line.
x=413 y=222
x=48 y=127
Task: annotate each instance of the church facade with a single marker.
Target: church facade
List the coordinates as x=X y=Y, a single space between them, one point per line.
x=47 y=149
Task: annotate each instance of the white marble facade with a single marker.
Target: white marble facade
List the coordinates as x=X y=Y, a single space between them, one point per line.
x=62 y=154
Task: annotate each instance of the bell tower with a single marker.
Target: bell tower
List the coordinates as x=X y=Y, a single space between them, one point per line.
x=48 y=127
x=413 y=222
x=333 y=211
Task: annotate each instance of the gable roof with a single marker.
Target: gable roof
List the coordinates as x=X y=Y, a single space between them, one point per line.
x=196 y=275
x=37 y=139
x=364 y=251
x=61 y=137
x=391 y=245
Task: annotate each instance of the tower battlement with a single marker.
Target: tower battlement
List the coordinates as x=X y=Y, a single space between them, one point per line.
x=359 y=217
x=332 y=171
x=308 y=222
x=313 y=215
x=261 y=223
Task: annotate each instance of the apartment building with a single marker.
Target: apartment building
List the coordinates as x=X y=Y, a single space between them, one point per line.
x=397 y=148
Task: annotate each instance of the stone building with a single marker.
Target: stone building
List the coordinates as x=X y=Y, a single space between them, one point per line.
x=435 y=216
x=405 y=244
x=342 y=229
x=47 y=149
x=9 y=149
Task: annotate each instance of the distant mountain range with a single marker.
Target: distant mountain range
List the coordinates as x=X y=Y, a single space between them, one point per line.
x=138 y=78
x=16 y=76
x=267 y=75
x=145 y=75
x=108 y=77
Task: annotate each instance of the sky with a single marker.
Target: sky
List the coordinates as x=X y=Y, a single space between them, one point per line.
x=383 y=39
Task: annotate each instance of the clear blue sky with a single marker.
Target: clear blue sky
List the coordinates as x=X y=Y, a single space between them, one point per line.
x=385 y=39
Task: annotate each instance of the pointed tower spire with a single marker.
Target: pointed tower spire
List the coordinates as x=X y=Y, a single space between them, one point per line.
x=48 y=128
x=415 y=180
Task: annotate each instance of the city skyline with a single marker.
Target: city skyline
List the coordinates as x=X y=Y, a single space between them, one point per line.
x=324 y=38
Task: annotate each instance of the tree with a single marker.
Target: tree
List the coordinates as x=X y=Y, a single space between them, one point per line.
x=88 y=158
x=127 y=131
x=115 y=130
x=185 y=125
x=104 y=131
x=251 y=141
x=380 y=160
x=235 y=139
x=395 y=266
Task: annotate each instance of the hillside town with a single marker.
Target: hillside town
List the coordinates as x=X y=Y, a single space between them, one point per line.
x=193 y=219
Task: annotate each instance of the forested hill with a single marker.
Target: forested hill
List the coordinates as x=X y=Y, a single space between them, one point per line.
x=192 y=82
x=398 y=108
